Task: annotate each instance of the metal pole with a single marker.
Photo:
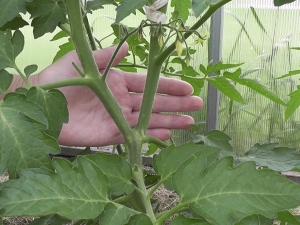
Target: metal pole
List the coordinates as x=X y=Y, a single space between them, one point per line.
x=214 y=55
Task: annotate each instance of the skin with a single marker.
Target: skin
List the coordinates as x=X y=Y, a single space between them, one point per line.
x=90 y=124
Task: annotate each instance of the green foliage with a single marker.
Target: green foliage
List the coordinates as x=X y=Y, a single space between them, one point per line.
x=46 y=15
x=200 y=6
x=128 y=7
x=282 y=2
x=10 y=47
x=215 y=185
x=24 y=143
x=182 y=8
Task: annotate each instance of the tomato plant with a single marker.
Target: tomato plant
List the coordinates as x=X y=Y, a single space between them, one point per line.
x=215 y=185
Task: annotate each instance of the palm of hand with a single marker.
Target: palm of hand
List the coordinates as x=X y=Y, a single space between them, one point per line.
x=90 y=124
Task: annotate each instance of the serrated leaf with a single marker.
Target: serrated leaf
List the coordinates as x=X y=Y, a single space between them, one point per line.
x=49 y=220
x=224 y=86
x=5 y=81
x=64 y=49
x=30 y=69
x=98 y=4
x=221 y=66
x=197 y=84
x=217 y=139
x=199 y=6
x=182 y=6
x=23 y=143
x=255 y=220
x=46 y=14
x=276 y=158
x=117 y=170
x=254 y=85
x=128 y=7
x=282 y=2
x=11 y=9
x=14 y=24
x=72 y=192
x=286 y=217
x=225 y=194
x=168 y=162
x=54 y=105
x=180 y=220
x=293 y=103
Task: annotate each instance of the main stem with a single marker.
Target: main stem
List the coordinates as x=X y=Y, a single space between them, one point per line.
x=96 y=82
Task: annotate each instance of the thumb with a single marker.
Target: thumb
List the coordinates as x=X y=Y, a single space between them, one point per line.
x=103 y=56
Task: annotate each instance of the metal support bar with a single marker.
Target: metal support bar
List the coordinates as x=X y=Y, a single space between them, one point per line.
x=214 y=55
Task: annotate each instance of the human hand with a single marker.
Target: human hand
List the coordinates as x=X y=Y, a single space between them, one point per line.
x=90 y=124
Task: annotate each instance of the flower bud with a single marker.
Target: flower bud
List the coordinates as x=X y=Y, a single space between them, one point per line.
x=178 y=45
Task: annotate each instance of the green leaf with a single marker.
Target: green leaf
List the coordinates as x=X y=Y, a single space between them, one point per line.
x=14 y=24
x=216 y=139
x=115 y=214
x=276 y=158
x=49 y=220
x=11 y=9
x=18 y=42
x=224 y=86
x=282 y=2
x=168 y=162
x=220 y=66
x=30 y=69
x=182 y=7
x=59 y=35
x=255 y=220
x=54 y=105
x=128 y=7
x=93 y=5
x=139 y=219
x=72 y=192
x=287 y=217
x=254 y=85
x=117 y=170
x=5 y=81
x=23 y=141
x=197 y=84
x=180 y=220
x=7 y=57
x=225 y=194
x=64 y=49
x=293 y=103
x=46 y=14
x=199 y=6
x=291 y=73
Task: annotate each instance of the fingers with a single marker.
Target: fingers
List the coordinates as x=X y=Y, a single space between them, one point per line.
x=167 y=103
x=170 y=86
x=103 y=56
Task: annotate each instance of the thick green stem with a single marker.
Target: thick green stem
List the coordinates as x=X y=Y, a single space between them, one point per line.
x=167 y=214
x=212 y=8
x=139 y=178
x=28 y=85
x=154 y=68
x=79 y=36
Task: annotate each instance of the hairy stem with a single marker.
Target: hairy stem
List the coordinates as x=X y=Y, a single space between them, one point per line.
x=79 y=36
x=89 y=33
x=154 y=68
